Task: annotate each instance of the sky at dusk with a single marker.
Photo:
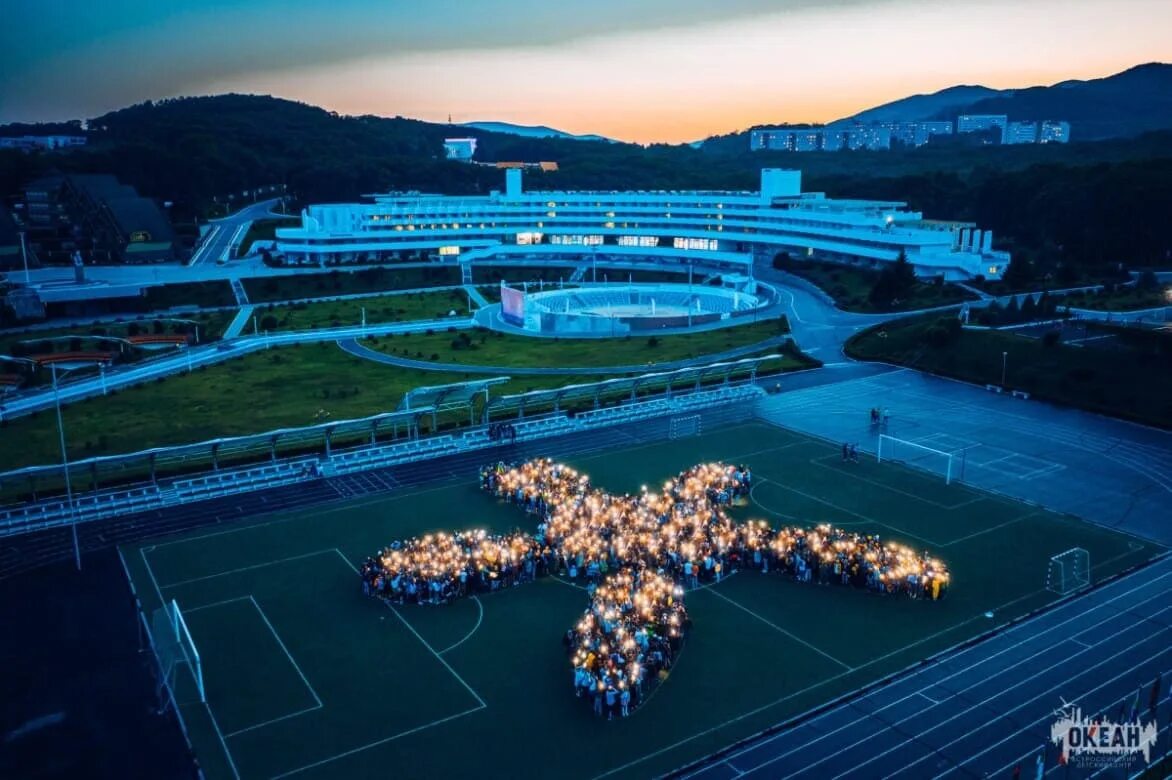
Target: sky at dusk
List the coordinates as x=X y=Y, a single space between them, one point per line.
x=656 y=70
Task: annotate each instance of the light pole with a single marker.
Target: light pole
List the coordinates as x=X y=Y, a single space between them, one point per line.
x=1004 y=358
x=24 y=256
x=65 y=469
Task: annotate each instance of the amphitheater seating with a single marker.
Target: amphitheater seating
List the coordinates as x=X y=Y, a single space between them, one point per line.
x=29 y=517
x=221 y=483
x=93 y=506
x=389 y=454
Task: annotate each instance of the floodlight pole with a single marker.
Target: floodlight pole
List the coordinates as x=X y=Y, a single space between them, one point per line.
x=1004 y=359
x=65 y=468
x=24 y=256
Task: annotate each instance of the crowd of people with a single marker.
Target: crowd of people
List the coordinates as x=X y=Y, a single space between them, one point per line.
x=628 y=637
x=502 y=432
x=636 y=554
x=439 y=567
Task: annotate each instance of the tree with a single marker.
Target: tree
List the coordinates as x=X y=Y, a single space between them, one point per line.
x=1147 y=281
x=895 y=282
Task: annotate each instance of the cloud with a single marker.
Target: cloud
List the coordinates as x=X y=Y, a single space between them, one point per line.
x=65 y=58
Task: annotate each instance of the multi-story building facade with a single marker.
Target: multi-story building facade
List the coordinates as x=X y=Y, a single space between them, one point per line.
x=1054 y=131
x=702 y=227
x=973 y=123
x=96 y=215
x=49 y=142
x=1021 y=133
x=839 y=136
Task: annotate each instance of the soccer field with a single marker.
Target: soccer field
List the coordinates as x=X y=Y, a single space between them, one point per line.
x=306 y=677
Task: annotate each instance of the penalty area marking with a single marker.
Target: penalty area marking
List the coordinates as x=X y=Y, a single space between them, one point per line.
x=423 y=641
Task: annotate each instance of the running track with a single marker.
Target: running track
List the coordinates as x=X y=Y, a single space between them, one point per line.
x=986 y=708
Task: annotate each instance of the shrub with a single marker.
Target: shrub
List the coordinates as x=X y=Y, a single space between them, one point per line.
x=1051 y=338
x=268 y=322
x=653 y=342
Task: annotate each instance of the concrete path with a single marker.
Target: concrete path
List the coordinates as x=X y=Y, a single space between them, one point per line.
x=193 y=357
x=226 y=233
x=475 y=295
x=239 y=321
x=354 y=348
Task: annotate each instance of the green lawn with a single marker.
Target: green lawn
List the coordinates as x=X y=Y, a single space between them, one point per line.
x=491 y=348
x=305 y=673
x=1115 y=380
x=1121 y=299
x=278 y=388
x=379 y=309
x=851 y=287
x=200 y=294
x=263 y=289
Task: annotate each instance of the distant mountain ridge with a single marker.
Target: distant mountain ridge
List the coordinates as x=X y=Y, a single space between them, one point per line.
x=927 y=106
x=532 y=131
x=1126 y=104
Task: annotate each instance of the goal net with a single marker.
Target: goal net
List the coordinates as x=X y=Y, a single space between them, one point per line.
x=919 y=456
x=175 y=649
x=1069 y=571
x=687 y=425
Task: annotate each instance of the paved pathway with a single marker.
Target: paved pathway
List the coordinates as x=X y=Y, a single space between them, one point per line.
x=475 y=295
x=358 y=350
x=193 y=357
x=239 y=321
x=225 y=234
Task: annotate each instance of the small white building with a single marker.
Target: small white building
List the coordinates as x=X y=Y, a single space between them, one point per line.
x=462 y=149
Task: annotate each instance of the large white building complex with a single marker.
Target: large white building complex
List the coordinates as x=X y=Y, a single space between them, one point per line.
x=716 y=229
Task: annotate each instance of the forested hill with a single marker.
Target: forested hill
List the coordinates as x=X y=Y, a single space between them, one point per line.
x=1065 y=207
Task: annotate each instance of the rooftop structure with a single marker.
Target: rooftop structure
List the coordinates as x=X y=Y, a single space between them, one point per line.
x=700 y=226
x=96 y=215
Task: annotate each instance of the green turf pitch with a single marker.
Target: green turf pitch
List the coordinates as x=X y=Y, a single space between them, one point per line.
x=308 y=678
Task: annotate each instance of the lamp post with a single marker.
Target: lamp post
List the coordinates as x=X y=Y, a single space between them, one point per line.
x=1004 y=358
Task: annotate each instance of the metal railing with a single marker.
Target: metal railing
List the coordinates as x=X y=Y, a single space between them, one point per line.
x=39 y=515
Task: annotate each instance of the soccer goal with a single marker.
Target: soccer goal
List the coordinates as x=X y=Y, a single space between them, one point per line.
x=946 y=464
x=686 y=425
x=1069 y=571
x=175 y=648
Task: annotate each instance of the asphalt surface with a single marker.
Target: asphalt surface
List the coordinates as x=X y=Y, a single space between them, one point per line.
x=224 y=234
x=1111 y=472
